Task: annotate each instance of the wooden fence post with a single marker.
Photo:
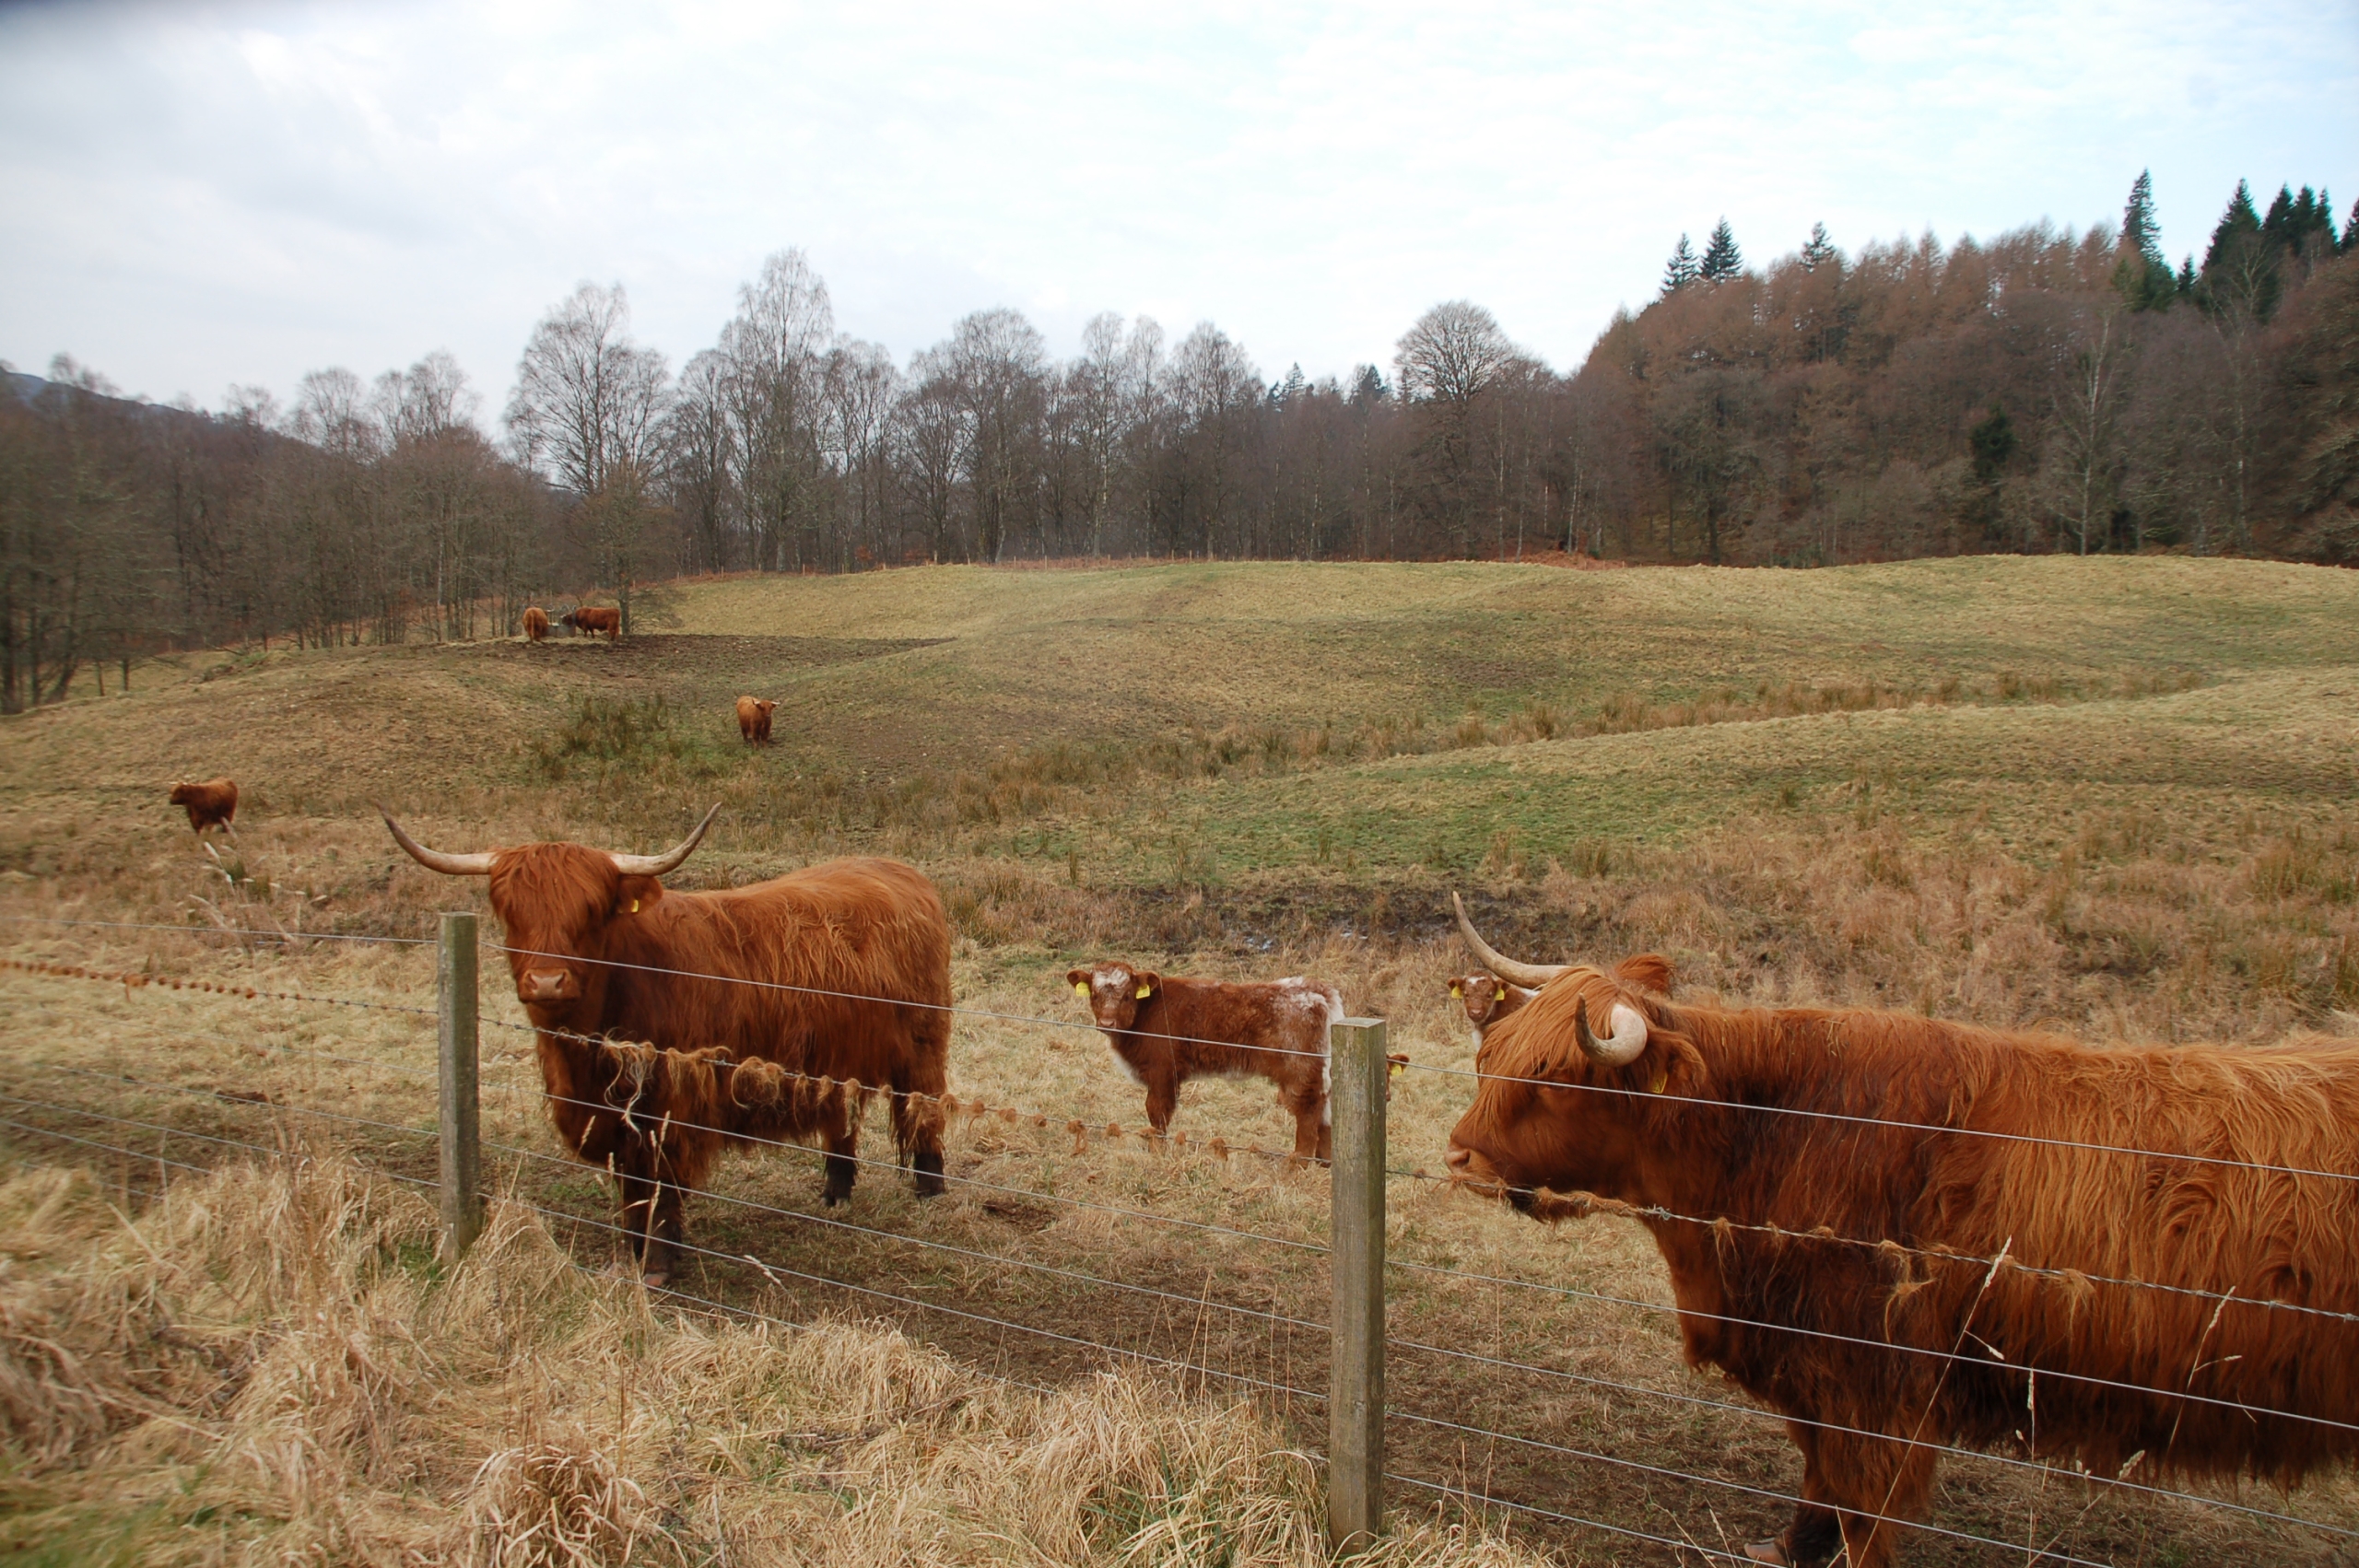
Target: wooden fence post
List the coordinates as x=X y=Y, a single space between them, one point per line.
x=1356 y=1071
x=462 y=1147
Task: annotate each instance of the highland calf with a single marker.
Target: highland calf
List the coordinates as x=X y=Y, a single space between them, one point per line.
x=1901 y=1232
x=213 y=804
x=672 y=1022
x=754 y=719
x=1165 y=1032
x=1488 y=1000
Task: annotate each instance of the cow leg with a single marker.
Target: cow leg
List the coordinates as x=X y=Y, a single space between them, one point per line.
x=1817 y=1533
x=919 y=1084
x=1873 y=1483
x=843 y=1156
x=638 y=1191
x=1313 y=1139
x=1162 y=1099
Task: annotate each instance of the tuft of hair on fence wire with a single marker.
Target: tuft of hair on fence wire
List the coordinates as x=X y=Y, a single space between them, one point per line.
x=1355 y=1400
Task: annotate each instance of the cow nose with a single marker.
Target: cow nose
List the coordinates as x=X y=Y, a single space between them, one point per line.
x=1458 y=1159
x=541 y=985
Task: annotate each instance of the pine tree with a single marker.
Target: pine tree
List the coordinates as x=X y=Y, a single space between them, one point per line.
x=1681 y=271
x=2350 y=231
x=1818 y=249
x=2239 y=221
x=1721 y=261
x=2142 y=276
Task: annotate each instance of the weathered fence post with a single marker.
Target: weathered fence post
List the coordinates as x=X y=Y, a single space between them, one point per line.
x=462 y=1147
x=1356 y=1070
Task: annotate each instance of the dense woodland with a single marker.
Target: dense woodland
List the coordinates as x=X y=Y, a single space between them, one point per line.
x=2045 y=390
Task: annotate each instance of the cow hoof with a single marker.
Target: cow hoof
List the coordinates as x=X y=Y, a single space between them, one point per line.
x=830 y=1198
x=1767 y=1552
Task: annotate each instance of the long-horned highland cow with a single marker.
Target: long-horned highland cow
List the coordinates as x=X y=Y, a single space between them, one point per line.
x=1168 y=1030
x=536 y=623
x=213 y=804
x=591 y=619
x=1900 y=1232
x=771 y=1010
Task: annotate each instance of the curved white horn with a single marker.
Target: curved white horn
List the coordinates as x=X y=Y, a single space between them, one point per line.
x=1623 y=1046
x=435 y=859
x=669 y=860
x=1530 y=975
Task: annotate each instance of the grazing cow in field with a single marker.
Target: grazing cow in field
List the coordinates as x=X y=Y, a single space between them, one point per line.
x=591 y=619
x=754 y=719
x=2139 y=1258
x=536 y=623
x=771 y=1010
x=213 y=804
x=1487 y=999
x=1165 y=1032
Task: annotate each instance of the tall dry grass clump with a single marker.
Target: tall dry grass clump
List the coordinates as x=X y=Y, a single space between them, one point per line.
x=268 y=1364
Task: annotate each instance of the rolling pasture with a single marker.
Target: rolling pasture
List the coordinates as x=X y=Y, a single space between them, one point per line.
x=2119 y=797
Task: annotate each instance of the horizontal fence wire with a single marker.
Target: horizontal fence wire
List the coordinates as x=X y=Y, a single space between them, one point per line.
x=772 y=1271
x=1852 y=1118
x=219 y=931
x=1603 y=1205
x=1927 y=1352
x=1206 y=1302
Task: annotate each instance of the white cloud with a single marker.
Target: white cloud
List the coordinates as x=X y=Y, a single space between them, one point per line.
x=193 y=198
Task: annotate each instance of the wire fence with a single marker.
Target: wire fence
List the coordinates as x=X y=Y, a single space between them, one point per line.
x=100 y=1128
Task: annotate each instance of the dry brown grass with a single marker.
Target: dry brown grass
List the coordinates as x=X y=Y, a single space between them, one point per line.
x=1990 y=791
x=266 y=1364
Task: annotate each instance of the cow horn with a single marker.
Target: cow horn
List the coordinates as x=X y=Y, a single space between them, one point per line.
x=669 y=860
x=435 y=859
x=1624 y=1045
x=1530 y=975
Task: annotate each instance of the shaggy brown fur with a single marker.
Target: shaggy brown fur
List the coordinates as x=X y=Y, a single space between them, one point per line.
x=213 y=804
x=589 y=945
x=536 y=623
x=592 y=618
x=2282 y=1388
x=1166 y=1031
x=754 y=719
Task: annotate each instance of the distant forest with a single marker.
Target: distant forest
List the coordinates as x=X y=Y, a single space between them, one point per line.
x=2043 y=392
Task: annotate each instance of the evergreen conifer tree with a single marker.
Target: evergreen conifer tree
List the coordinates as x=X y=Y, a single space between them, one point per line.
x=2239 y=221
x=1680 y=270
x=1818 y=249
x=2350 y=231
x=1721 y=258
x=2142 y=276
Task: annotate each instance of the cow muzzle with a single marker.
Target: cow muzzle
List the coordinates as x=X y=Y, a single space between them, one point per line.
x=1473 y=1172
x=547 y=986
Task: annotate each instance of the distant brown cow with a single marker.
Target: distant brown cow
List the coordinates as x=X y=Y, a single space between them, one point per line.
x=593 y=618
x=767 y=1011
x=1486 y=999
x=1166 y=1031
x=210 y=804
x=536 y=623
x=754 y=719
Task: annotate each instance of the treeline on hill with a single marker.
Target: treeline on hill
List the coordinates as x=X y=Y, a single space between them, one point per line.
x=2045 y=390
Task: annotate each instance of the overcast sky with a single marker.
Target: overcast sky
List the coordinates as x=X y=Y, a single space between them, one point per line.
x=193 y=195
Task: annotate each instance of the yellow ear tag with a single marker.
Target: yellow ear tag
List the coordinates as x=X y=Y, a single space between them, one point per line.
x=1081 y=987
x=1397 y=1068
x=634 y=905
x=1663 y=1076
x=1454 y=991
x=1500 y=995
x=1145 y=991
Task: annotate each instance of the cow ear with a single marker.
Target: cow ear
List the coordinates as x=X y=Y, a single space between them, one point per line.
x=638 y=895
x=1647 y=971
x=1458 y=988
x=1148 y=984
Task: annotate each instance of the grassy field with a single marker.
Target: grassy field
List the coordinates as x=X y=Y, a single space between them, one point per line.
x=2116 y=795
